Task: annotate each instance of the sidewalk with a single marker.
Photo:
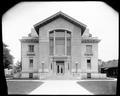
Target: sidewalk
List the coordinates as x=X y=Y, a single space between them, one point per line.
x=60 y=87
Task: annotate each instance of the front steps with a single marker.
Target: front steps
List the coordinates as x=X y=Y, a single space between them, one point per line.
x=59 y=77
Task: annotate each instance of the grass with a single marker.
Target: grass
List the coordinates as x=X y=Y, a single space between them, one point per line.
x=100 y=87
x=98 y=78
x=22 y=87
x=105 y=87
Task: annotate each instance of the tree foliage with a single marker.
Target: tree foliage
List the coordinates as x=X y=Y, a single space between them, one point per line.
x=110 y=63
x=17 y=67
x=7 y=57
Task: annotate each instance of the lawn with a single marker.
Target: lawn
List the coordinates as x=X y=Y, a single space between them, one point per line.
x=97 y=87
x=22 y=87
x=105 y=87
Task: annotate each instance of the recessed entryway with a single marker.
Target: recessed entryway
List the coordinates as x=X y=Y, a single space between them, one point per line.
x=60 y=67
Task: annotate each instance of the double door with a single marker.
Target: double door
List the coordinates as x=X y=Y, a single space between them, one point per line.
x=60 y=67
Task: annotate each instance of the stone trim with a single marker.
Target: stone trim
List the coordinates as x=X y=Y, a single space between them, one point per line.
x=90 y=41
x=88 y=54
x=29 y=40
x=57 y=15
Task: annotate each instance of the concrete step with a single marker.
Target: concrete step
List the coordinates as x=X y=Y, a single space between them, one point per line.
x=57 y=77
x=52 y=76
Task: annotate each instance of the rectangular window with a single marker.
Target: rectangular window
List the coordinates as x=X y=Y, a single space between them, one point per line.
x=76 y=67
x=30 y=75
x=31 y=63
x=31 y=48
x=89 y=63
x=68 y=46
x=60 y=46
x=88 y=75
x=88 y=48
x=51 y=46
x=51 y=66
x=42 y=67
x=68 y=66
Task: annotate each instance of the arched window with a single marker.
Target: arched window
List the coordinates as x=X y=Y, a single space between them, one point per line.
x=60 y=42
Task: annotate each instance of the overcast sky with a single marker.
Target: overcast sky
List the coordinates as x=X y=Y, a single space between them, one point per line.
x=100 y=18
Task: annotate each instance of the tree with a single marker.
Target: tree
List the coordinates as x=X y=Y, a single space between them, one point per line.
x=7 y=57
x=17 y=67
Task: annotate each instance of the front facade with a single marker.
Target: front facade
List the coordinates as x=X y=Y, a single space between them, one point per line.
x=60 y=47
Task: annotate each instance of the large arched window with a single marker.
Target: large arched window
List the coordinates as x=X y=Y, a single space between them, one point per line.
x=60 y=42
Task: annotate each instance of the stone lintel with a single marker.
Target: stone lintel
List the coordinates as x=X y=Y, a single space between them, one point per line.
x=30 y=40
x=90 y=41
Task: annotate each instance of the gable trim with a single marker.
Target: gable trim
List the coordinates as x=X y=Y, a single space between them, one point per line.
x=57 y=15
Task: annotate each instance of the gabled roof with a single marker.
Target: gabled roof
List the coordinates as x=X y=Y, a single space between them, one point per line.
x=57 y=15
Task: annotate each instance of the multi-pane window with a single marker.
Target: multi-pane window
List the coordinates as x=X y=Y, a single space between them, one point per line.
x=60 y=40
x=31 y=48
x=89 y=63
x=60 y=46
x=60 y=33
x=30 y=63
x=88 y=48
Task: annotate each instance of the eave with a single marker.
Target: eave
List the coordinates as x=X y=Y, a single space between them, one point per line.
x=62 y=15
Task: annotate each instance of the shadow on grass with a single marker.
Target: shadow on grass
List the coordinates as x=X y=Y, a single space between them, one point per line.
x=22 y=87
x=100 y=87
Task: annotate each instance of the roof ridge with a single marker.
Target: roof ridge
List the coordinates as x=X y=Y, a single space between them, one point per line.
x=56 y=15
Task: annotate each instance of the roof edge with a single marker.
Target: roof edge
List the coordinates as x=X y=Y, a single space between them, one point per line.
x=56 y=15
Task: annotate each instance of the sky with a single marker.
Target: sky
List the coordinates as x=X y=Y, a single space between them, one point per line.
x=99 y=17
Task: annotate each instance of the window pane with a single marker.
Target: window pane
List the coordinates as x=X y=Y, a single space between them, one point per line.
x=31 y=48
x=68 y=46
x=30 y=75
x=31 y=63
x=60 y=46
x=89 y=63
x=51 y=34
x=60 y=41
x=51 y=46
x=59 y=34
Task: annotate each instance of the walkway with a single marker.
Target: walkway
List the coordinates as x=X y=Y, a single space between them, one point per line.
x=60 y=87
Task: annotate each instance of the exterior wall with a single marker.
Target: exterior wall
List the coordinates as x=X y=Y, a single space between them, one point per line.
x=94 y=58
x=44 y=40
x=25 y=75
x=25 y=58
x=78 y=50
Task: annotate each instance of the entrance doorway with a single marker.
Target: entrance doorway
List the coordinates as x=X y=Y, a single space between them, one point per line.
x=60 y=67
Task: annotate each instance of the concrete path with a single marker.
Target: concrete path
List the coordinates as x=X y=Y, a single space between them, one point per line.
x=60 y=87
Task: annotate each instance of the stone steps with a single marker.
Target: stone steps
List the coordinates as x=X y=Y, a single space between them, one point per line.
x=57 y=77
x=51 y=76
